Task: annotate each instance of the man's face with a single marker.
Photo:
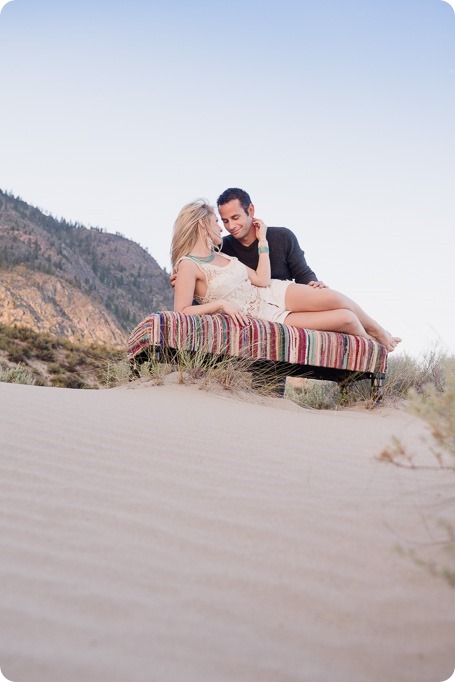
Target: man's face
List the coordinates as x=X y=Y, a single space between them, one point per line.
x=238 y=222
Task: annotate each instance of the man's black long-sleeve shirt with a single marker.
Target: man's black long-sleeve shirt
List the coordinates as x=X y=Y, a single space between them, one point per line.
x=287 y=260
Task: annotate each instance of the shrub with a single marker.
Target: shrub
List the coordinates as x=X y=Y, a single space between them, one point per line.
x=55 y=369
x=312 y=393
x=232 y=374
x=16 y=375
x=57 y=357
x=18 y=355
x=405 y=373
x=434 y=402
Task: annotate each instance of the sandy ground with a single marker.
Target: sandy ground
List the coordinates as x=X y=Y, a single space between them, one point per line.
x=166 y=533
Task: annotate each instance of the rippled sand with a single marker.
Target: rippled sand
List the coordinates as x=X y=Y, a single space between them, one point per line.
x=166 y=533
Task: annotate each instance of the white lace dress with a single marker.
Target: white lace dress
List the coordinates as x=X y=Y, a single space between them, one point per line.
x=231 y=283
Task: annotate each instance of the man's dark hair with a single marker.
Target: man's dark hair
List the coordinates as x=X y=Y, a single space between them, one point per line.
x=235 y=193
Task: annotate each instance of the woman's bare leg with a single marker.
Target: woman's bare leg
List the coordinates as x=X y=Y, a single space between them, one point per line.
x=341 y=320
x=302 y=298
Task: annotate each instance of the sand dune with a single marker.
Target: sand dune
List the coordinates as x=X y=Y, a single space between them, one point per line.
x=165 y=533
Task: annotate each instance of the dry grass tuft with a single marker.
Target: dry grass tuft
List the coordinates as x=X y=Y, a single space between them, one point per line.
x=314 y=394
x=405 y=374
x=16 y=375
x=52 y=360
x=434 y=402
x=236 y=374
x=232 y=374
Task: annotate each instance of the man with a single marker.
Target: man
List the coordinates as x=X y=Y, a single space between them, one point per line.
x=287 y=259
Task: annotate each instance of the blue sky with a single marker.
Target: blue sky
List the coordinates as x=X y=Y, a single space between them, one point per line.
x=337 y=117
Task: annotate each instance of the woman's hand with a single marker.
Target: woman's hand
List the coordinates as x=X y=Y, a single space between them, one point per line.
x=233 y=311
x=261 y=229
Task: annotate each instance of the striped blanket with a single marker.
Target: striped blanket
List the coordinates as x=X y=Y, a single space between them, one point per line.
x=259 y=340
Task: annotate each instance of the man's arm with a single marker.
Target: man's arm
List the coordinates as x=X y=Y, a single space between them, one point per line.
x=299 y=268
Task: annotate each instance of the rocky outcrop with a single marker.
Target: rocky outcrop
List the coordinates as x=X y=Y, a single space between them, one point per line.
x=80 y=283
x=45 y=303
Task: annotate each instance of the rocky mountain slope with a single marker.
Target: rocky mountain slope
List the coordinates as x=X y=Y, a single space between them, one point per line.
x=82 y=284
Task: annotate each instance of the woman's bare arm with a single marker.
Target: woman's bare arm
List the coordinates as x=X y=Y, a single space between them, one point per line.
x=261 y=277
x=184 y=290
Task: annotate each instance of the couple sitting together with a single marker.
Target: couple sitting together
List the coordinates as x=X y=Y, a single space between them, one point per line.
x=250 y=273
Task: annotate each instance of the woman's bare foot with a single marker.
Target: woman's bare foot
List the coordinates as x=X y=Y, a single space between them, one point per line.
x=394 y=341
x=385 y=338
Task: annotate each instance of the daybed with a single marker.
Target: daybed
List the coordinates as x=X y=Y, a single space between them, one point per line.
x=277 y=348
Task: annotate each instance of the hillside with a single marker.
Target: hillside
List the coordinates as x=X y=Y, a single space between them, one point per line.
x=83 y=284
x=27 y=357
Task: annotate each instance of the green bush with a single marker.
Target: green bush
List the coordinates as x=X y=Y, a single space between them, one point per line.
x=18 y=355
x=16 y=375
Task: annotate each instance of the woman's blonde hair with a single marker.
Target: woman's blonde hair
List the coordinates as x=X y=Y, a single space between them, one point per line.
x=193 y=217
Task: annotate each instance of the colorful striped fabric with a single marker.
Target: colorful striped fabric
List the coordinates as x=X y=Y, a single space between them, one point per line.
x=219 y=335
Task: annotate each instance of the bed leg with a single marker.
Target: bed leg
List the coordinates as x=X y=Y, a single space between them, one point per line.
x=377 y=383
x=134 y=371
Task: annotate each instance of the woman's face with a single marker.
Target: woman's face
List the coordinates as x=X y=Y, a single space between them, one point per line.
x=215 y=230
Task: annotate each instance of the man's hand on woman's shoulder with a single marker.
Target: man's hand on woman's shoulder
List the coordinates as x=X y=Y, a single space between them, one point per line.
x=318 y=285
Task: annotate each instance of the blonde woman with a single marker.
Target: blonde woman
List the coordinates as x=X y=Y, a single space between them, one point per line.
x=222 y=284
